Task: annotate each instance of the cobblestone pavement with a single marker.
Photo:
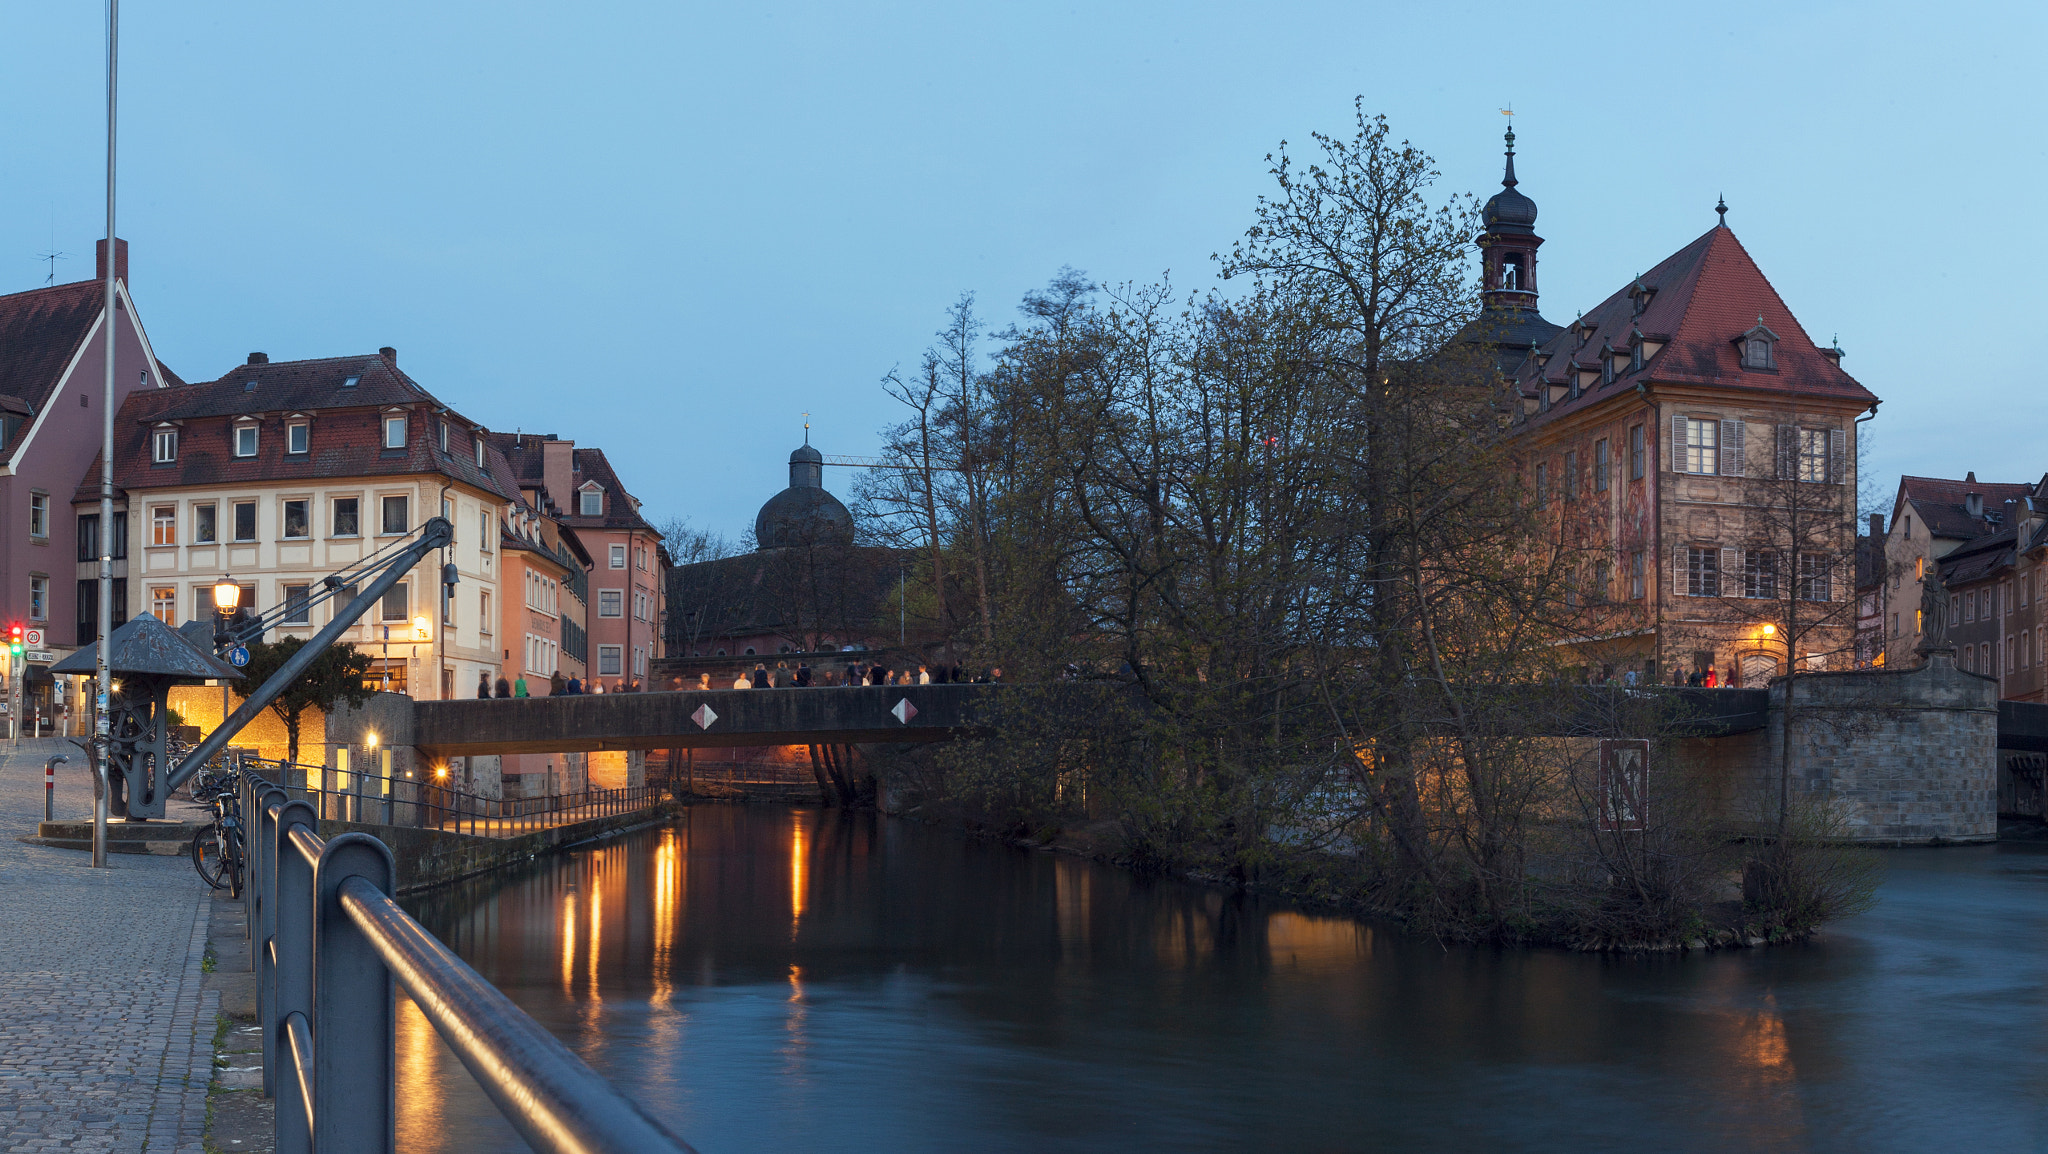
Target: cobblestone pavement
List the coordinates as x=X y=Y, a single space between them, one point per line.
x=105 y=1029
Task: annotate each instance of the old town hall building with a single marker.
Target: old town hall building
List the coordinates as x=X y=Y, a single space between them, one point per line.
x=1695 y=448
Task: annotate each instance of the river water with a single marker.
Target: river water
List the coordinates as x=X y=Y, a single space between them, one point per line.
x=800 y=979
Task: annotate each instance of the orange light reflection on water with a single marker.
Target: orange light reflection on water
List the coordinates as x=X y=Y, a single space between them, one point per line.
x=668 y=884
x=569 y=943
x=799 y=877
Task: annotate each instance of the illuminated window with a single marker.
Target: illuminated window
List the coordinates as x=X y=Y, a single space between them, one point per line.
x=163 y=525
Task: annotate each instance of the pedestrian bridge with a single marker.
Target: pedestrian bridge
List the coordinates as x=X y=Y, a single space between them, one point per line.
x=689 y=719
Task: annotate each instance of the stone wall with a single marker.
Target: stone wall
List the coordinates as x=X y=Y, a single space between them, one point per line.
x=1904 y=756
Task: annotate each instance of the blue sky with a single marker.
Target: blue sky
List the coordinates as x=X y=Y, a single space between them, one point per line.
x=670 y=229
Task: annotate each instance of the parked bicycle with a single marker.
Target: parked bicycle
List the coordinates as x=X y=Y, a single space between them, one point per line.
x=217 y=850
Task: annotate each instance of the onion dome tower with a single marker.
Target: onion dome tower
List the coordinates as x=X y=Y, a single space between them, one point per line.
x=804 y=513
x=1507 y=249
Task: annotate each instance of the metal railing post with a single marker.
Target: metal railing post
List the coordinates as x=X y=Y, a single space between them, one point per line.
x=291 y=956
x=260 y=832
x=354 y=1008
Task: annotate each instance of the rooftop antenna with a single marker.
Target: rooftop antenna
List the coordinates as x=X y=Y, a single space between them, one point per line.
x=53 y=257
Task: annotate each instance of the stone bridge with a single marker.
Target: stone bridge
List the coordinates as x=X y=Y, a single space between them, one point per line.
x=691 y=719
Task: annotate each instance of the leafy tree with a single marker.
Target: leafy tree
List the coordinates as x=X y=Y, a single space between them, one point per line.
x=335 y=676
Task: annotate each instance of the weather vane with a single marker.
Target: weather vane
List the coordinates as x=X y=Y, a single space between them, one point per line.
x=807 y=426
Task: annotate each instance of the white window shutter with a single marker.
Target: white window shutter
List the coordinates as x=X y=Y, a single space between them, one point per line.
x=1729 y=560
x=1678 y=585
x=1732 y=459
x=1678 y=444
x=1788 y=452
x=1838 y=467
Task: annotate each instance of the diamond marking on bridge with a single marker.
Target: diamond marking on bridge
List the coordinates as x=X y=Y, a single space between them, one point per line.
x=904 y=711
x=704 y=716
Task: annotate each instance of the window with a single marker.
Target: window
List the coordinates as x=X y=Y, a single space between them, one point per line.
x=639 y=662
x=611 y=603
x=39 y=597
x=485 y=522
x=394 y=432
x=393 y=607
x=1919 y=620
x=396 y=514
x=1699 y=450
x=479 y=452
x=1571 y=475
x=444 y=436
x=1814 y=585
x=1813 y=455
x=1969 y=606
x=298 y=519
x=297 y=607
x=590 y=503
x=297 y=437
x=1759 y=573
x=120 y=544
x=2027 y=649
x=1919 y=568
x=163 y=525
x=1635 y=453
x=39 y=514
x=1702 y=571
x=1542 y=495
x=163 y=604
x=245 y=440
x=483 y=612
x=2008 y=653
x=245 y=520
x=348 y=517
x=1602 y=580
x=163 y=446
x=1600 y=465
x=89 y=539
x=619 y=551
x=608 y=660
x=1635 y=576
x=205 y=524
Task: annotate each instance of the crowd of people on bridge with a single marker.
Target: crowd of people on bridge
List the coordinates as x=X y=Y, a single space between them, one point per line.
x=760 y=677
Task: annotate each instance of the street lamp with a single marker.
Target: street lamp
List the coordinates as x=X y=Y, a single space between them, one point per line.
x=419 y=627
x=226 y=595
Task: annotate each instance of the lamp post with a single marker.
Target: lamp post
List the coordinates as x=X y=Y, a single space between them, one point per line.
x=226 y=597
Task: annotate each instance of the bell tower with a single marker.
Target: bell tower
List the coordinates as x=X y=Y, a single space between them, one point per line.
x=1508 y=245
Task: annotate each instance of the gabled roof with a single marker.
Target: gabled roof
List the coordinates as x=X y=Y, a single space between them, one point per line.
x=1703 y=297
x=1987 y=556
x=1940 y=504
x=621 y=511
x=40 y=332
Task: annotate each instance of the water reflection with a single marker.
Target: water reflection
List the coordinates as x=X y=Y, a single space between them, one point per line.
x=767 y=978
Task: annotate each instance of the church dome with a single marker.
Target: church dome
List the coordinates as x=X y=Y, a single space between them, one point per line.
x=1509 y=210
x=804 y=513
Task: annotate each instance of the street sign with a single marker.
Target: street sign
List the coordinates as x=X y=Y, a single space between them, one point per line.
x=34 y=640
x=43 y=655
x=238 y=656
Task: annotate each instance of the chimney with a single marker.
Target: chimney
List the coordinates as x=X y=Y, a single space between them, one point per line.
x=558 y=472
x=1973 y=503
x=390 y=354
x=259 y=358
x=1876 y=526
x=99 y=249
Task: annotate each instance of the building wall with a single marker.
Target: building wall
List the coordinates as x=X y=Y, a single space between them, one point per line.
x=637 y=581
x=188 y=569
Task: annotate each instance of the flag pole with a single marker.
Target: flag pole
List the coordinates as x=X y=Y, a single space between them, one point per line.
x=102 y=677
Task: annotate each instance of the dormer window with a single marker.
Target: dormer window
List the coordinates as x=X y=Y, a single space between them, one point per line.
x=394 y=431
x=479 y=452
x=245 y=440
x=1758 y=347
x=1635 y=350
x=1639 y=294
x=590 y=502
x=163 y=445
x=298 y=437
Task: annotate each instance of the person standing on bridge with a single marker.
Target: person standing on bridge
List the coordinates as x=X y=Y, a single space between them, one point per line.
x=519 y=687
x=483 y=685
x=574 y=688
x=558 y=685
x=504 y=687
x=760 y=675
x=803 y=675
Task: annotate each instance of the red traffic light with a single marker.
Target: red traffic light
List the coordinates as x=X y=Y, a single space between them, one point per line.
x=14 y=631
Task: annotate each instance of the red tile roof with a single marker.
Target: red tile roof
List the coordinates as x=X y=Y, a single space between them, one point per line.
x=40 y=331
x=525 y=457
x=345 y=439
x=1703 y=297
x=1940 y=505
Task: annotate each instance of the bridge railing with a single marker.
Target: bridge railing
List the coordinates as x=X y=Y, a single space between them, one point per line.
x=375 y=799
x=329 y=948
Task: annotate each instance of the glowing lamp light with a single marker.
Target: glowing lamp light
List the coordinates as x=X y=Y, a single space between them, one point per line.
x=1770 y=630
x=370 y=739
x=226 y=594
x=419 y=627
x=441 y=771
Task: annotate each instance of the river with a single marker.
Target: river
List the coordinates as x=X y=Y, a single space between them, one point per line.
x=800 y=979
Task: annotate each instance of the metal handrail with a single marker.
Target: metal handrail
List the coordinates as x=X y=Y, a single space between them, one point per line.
x=371 y=798
x=330 y=946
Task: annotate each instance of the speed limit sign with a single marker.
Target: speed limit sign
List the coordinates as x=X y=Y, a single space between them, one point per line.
x=33 y=639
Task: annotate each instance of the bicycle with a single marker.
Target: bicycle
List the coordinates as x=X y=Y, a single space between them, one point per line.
x=217 y=850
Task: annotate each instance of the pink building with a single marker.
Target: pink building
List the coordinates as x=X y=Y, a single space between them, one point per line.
x=52 y=385
x=579 y=489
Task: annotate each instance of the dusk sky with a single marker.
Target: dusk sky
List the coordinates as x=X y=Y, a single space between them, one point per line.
x=669 y=230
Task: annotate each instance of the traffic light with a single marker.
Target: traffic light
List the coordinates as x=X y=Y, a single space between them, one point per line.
x=14 y=639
